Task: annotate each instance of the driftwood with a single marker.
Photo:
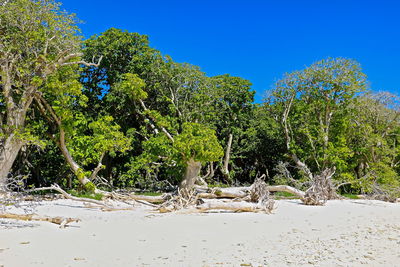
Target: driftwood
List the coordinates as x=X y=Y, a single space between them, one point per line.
x=254 y=199
x=240 y=192
x=183 y=199
x=229 y=192
x=34 y=217
x=322 y=189
x=287 y=189
x=98 y=204
x=241 y=206
x=150 y=199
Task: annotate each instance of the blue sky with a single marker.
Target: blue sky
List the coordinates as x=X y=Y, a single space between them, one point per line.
x=259 y=40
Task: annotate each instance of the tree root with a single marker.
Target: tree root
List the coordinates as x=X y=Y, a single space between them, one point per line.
x=322 y=189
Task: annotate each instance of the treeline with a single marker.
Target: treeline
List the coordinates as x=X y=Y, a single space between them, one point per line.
x=111 y=111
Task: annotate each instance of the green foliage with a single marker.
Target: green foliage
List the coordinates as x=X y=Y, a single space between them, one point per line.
x=152 y=194
x=316 y=101
x=132 y=86
x=350 y=196
x=120 y=111
x=198 y=142
x=89 y=187
x=284 y=195
x=85 y=194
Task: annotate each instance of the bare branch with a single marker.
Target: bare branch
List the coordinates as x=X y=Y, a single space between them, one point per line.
x=98 y=167
x=81 y=62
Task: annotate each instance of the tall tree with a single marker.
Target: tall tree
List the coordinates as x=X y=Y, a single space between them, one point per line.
x=373 y=136
x=189 y=145
x=37 y=39
x=308 y=104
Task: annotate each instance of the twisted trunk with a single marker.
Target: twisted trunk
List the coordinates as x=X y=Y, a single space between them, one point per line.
x=191 y=173
x=8 y=153
x=11 y=144
x=77 y=170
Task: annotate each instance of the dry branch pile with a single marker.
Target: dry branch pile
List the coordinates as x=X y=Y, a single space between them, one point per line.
x=254 y=198
x=321 y=189
x=245 y=199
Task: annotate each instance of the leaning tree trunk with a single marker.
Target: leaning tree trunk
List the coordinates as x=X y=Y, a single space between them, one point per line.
x=191 y=173
x=76 y=169
x=225 y=169
x=44 y=108
x=8 y=153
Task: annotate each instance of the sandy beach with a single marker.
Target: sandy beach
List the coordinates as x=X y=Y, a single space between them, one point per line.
x=341 y=233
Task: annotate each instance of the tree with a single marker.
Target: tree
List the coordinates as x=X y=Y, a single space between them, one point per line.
x=373 y=136
x=37 y=40
x=233 y=108
x=173 y=94
x=80 y=138
x=309 y=104
x=192 y=145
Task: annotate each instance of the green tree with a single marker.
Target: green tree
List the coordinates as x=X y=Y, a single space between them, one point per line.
x=170 y=94
x=311 y=107
x=83 y=140
x=37 y=39
x=189 y=146
x=373 y=136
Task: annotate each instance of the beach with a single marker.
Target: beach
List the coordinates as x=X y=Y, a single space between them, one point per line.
x=341 y=233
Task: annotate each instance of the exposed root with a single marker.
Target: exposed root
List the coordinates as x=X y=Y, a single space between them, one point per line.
x=245 y=199
x=322 y=189
x=183 y=199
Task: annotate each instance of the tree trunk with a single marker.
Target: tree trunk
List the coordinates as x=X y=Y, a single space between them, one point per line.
x=11 y=144
x=225 y=169
x=78 y=171
x=44 y=108
x=240 y=206
x=192 y=171
x=8 y=153
x=241 y=192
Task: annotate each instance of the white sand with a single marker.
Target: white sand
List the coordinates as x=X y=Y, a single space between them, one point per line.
x=342 y=233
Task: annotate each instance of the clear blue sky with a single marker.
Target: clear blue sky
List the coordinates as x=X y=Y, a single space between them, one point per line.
x=259 y=40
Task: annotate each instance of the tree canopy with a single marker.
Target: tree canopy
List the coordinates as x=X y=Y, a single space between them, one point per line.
x=114 y=112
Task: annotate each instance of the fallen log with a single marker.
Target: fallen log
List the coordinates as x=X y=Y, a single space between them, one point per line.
x=240 y=206
x=34 y=217
x=253 y=199
x=228 y=192
x=151 y=199
x=241 y=192
x=57 y=188
x=287 y=189
x=99 y=203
